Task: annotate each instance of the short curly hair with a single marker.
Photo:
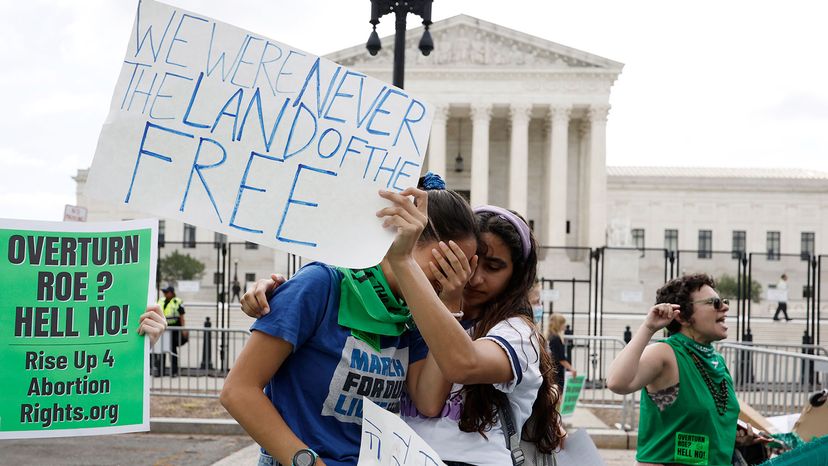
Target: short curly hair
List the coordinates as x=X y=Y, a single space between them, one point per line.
x=678 y=290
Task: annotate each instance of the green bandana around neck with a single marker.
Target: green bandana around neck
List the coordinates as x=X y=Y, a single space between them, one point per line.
x=712 y=363
x=369 y=308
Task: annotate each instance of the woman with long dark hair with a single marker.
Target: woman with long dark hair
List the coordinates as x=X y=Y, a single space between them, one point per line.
x=500 y=363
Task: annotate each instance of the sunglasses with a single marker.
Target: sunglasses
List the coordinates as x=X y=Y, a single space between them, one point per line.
x=716 y=302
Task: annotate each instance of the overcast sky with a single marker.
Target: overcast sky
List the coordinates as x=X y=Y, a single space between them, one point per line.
x=705 y=83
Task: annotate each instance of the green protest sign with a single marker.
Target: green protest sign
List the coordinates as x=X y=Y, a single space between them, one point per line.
x=73 y=362
x=571 y=392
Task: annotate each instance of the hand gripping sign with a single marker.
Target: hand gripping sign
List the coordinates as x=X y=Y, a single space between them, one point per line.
x=222 y=128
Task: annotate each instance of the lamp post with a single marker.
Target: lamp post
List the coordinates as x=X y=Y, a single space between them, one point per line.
x=401 y=9
x=236 y=271
x=458 y=161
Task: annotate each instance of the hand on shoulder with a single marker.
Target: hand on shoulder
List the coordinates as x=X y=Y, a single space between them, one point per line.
x=254 y=301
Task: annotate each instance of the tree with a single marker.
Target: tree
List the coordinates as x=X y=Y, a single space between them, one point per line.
x=727 y=287
x=178 y=266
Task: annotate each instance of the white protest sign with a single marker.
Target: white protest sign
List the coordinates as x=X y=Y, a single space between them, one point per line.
x=73 y=213
x=388 y=441
x=579 y=450
x=218 y=127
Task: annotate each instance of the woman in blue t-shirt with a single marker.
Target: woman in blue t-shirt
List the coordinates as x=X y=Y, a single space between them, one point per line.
x=336 y=335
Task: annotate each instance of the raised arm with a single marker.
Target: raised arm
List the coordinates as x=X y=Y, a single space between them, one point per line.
x=638 y=365
x=460 y=359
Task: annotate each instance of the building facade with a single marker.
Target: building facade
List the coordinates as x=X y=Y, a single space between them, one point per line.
x=520 y=121
x=774 y=211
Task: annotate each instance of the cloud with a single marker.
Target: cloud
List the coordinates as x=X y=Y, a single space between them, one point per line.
x=801 y=106
x=34 y=205
x=63 y=102
x=10 y=159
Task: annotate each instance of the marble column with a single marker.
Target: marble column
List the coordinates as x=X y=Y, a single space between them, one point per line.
x=598 y=175
x=437 y=142
x=581 y=227
x=556 y=175
x=520 y=114
x=481 y=116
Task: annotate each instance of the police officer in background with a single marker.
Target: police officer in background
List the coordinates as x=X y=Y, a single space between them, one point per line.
x=173 y=309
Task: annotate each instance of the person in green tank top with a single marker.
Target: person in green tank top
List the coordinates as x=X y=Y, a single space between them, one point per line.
x=688 y=406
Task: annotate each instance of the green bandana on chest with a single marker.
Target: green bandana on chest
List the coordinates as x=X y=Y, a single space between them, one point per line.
x=369 y=308
x=705 y=354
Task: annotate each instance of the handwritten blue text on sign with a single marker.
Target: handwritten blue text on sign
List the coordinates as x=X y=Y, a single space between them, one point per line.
x=222 y=128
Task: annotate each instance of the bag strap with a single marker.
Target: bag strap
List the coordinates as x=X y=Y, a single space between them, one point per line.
x=510 y=433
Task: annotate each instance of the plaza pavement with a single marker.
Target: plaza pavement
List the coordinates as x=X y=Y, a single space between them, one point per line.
x=196 y=442
x=602 y=436
x=249 y=455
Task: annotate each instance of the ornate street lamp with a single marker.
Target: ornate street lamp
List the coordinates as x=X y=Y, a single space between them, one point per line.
x=401 y=9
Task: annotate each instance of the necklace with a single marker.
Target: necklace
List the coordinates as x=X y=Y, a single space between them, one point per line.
x=719 y=393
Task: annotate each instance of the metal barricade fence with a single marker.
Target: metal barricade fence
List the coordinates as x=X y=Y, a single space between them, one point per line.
x=791 y=348
x=202 y=362
x=774 y=382
x=591 y=356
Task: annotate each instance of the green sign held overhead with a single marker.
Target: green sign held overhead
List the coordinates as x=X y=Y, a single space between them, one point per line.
x=73 y=362
x=571 y=392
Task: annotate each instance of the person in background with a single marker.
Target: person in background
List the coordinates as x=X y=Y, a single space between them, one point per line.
x=236 y=290
x=688 y=408
x=537 y=305
x=782 y=306
x=557 y=325
x=173 y=309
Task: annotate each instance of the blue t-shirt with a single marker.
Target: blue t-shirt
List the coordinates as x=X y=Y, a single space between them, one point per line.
x=319 y=388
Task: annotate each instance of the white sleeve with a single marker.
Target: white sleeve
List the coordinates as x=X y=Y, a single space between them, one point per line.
x=515 y=336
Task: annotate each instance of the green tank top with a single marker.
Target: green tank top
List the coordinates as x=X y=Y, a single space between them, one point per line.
x=691 y=430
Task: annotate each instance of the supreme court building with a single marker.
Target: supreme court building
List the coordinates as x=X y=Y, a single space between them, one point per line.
x=520 y=121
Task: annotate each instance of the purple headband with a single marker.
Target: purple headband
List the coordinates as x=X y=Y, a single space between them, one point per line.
x=521 y=226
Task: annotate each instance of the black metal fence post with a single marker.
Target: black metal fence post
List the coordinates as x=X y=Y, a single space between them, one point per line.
x=206 y=348
x=807 y=366
x=569 y=344
x=222 y=296
x=745 y=371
